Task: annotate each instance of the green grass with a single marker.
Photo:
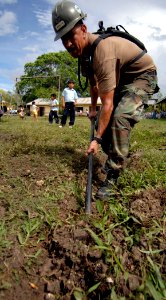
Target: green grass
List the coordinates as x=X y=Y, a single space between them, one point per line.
x=43 y=168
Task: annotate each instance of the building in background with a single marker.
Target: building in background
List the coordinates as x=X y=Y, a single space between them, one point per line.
x=43 y=105
x=83 y=105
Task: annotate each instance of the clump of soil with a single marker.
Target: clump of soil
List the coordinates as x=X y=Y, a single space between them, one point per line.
x=74 y=263
x=148 y=205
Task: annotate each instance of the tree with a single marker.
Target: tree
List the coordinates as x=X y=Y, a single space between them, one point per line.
x=11 y=98
x=48 y=65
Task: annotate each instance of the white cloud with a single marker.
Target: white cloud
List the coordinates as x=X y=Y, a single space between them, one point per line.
x=44 y=17
x=8 y=22
x=10 y=76
x=145 y=19
x=30 y=56
x=8 y=1
x=6 y=86
x=33 y=48
x=51 y=1
x=9 y=79
x=28 y=35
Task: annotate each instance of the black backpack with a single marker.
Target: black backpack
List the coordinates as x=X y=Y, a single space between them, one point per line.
x=120 y=31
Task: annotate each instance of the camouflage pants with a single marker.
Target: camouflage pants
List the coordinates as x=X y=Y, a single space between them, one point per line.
x=129 y=104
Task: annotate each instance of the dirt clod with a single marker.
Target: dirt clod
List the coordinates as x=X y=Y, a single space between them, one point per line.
x=147 y=206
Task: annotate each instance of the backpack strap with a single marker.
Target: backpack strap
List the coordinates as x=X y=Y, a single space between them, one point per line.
x=106 y=35
x=133 y=60
x=85 y=75
x=109 y=32
x=97 y=41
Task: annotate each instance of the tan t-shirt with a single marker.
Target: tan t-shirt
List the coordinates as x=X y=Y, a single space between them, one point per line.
x=110 y=55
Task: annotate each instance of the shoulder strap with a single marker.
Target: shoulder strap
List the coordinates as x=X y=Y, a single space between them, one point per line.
x=85 y=75
x=103 y=34
x=97 y=41
x=122 y=34
x=133 y=60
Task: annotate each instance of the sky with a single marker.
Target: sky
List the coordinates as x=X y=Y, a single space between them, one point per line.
x=26 y=31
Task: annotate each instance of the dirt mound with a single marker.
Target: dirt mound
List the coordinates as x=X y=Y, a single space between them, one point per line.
x=148 y=205
x=73 y=264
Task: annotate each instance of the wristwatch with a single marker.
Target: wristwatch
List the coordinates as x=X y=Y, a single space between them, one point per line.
x=98 y=140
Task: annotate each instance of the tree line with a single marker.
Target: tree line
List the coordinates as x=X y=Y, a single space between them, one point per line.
x=48 y=74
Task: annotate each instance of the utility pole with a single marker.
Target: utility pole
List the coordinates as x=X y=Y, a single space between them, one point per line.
x=10 y=101
x=0 y=101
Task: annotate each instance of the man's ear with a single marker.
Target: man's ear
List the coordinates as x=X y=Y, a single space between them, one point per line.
x=84 y=28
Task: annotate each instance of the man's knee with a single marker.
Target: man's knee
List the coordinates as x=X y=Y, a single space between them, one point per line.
x=119 y=122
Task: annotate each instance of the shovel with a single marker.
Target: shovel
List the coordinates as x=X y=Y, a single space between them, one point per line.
x=89 y=178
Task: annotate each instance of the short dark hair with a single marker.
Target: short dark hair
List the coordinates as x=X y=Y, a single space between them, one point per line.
x=70 y=81
x=33 y=102
x=80 y=22
x=53 y=95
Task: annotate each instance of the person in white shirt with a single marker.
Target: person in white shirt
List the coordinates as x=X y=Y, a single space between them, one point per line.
x=54 y=110
x=69 y=100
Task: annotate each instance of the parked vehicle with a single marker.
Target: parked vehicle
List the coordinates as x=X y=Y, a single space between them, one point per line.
x=13 y=112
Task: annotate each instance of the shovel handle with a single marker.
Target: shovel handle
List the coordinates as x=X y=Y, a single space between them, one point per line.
x=89 y=178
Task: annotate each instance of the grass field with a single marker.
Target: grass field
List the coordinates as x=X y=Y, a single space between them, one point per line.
x=49 y=248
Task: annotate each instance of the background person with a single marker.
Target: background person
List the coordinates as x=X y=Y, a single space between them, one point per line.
x=69 y=100
x=123 y=87
x=1 y=113
x=21 y=112
x=34 y=111
x=87 y=112
x=53 y=114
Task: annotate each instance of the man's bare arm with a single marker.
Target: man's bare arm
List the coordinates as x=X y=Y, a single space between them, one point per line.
x=63 y=102
x=106 y=112
x=105 y=115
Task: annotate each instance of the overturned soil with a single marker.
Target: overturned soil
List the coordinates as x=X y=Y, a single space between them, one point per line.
x=75 y=262
x=70 y=264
